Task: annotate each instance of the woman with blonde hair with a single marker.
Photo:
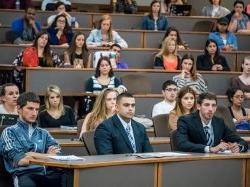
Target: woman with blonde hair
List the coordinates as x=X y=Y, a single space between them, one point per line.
x=104 y=108
x=56 y=114
x=167 y=57
x=104 y=35
x=185 y=104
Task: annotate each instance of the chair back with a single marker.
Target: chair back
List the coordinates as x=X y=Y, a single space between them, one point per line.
x=5 y=177
x=224 y=113
x=203 y=26
x=88 y=139
x=173 y=140
x=161 y=125
x=137 y=84
x=79 y=126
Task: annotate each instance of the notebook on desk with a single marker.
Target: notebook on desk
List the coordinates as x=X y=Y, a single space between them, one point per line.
x=180 y=10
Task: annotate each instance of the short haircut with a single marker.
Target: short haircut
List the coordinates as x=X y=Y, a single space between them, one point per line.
x=239 y=2
x=206 y=95
x=59 y=3
x=115 y=45
x=168 y=83
x=30 y=7
x=2 y=92
x=247 y=58
x=26 y=97
x=122 y=95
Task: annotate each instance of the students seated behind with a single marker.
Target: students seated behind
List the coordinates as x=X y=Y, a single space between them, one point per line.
x=120 y=64
x=120 y=134
x=77 y=55
x=104 y=78
x=239 y=114
x=169 y=92
x=214 y=9
x=242 y=82
x=60 y=9
x=173 y=33
x=9 y=94
x=126 y=6
x=189 y=76
x=166 y=5
x=239 y=20
x=167 y=58
x=55 y=114
x=212 y=60
x=185 y=104
x=51 y=4
x=24 y=141
x=104 y=35
x=25 y=29
x=60 y=32
x=155 y=21
x=103 y=109
x=11 y=4
x=205 y=133
x=225 y=40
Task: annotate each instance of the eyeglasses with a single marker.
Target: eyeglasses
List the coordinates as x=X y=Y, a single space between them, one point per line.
x=171 y=89
x=31 y=13
x=239 y=96
x=61 y=21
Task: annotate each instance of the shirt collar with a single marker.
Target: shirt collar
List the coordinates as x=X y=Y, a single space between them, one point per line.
x=124 y=123
x=209 y=124
x=26 y=125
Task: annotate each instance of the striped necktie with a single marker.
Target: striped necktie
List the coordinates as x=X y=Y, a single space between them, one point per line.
x=130 y=137
x=208 y=136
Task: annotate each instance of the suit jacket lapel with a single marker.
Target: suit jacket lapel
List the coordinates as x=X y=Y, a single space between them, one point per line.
x=199 y=127
x=215 y=130
x=119 y=125
x=136 y=135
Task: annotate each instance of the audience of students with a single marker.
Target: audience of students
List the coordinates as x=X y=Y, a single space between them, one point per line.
x=25 y=29
x=225 y=40
x=166 y=5
x=155 y=21
x=169 y=92
x=60 y=32
x=239 y=114
x=126 y=6
x=120 y=64
x=50 y=5
x=55 y=114
x=211 y=60
x=167 y=58
x=104 y=35
x=242 y=82
x=103 y=109
x=9 y=95
x=214 y=9
x=104 y=78
x=77 y=55
x=185 y=104
x=189 y=76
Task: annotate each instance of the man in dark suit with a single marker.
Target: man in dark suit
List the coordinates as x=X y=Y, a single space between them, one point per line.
x=203 y=132
x=120 y=133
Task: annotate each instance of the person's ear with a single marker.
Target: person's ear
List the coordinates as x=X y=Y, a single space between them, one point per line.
x=198 y=106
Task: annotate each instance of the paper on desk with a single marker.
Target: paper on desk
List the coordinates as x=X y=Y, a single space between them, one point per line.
x=66 y=158
x=159 y=154
x=225 y=152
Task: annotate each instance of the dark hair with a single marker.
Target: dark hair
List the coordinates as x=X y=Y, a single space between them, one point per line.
x=97 y=70
x=26 y=97
x=46 y=52
x=151 y=5
x=231 y=92
x=239 y=2
x=206 y=95
x=168 y=83
x=59 y=3
x=66 y=29
x=122 y=95
x=115 y=45
x=30 y=7
x=217 y=53
x=170 y=29
x=211 y=1
x=72 y=49
x=193 y=69
x=3 y=91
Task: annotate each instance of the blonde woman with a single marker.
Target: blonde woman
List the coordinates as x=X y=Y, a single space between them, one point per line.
x=167 y=58
x=55 y=113
x=104 y=108
x=104 y=35
x=185 y=104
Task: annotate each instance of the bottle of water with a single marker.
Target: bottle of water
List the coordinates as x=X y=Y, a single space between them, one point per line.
x=18 y=4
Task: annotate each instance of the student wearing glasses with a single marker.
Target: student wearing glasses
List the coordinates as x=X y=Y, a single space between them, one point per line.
x=169 y=92
x=25 y=29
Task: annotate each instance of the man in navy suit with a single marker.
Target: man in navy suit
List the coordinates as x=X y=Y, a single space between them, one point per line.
x=203 y=132
x=120 y=133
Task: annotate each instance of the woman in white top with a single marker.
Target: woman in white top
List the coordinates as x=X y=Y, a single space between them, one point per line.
x=104 y=35
x=9 y=95
x=215 y=9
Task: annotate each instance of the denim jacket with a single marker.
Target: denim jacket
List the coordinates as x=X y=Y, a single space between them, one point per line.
x=15 y=143
x=149 y=24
